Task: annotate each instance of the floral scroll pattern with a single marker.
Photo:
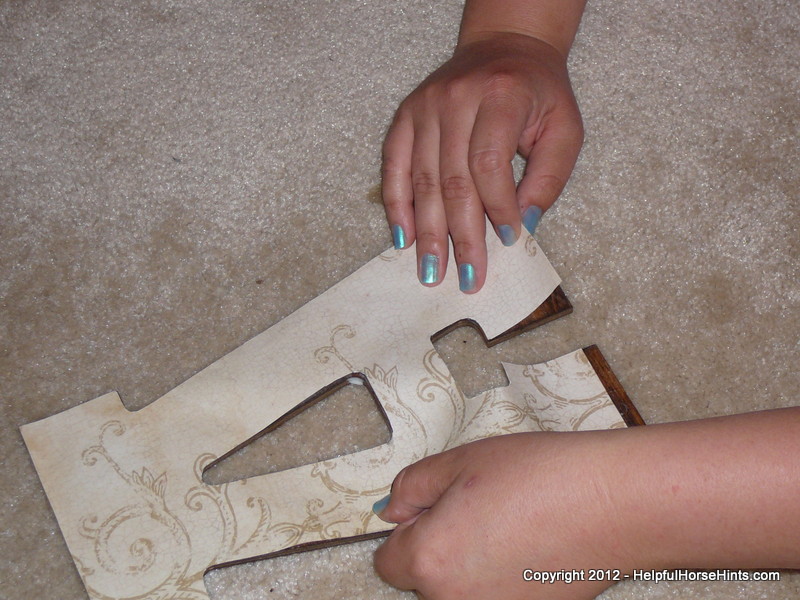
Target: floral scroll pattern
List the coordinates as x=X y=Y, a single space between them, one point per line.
x=127 y=487
x=168 y=542
x=561 y=395
x=151 y=540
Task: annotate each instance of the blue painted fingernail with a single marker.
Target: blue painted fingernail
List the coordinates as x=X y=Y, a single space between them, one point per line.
x=398 y=237
x=429 y=268
x=378 y=507
x=530 y=218
x=466 y=277
x=507 y=235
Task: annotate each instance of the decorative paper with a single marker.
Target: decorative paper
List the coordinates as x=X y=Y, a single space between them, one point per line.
x=127 y=487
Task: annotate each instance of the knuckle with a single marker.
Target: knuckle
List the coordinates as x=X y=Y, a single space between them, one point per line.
x=482 y=162
x=454 y=89
x=456 y=187
x=574 y=131
x=505 y=96
x=571 y=123
x=501 y=82
x=464 y=249
x=393 y=201
x=429 y=97
x=549 y=186
x=425 y=183
x=403 y=113
x=398 y=483
x=391 y=167
x=428 y=239
x=424 y=565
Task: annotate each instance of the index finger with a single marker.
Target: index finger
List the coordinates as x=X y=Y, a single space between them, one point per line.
x=419 y=555
x=392 y=562
x=398 y=199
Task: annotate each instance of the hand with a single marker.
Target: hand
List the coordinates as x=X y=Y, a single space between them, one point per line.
x=474 y=518
x=447 y=155
x=669 y=496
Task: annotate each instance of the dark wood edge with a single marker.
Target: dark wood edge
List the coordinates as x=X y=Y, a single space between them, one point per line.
x=306 y=547
x=556 y=306
x=614 y=388
x=612 y=385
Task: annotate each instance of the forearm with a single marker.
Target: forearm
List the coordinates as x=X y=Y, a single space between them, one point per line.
x=715 y=493
x=552 y=21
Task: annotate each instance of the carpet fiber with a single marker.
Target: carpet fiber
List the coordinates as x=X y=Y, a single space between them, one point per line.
x=177 y=176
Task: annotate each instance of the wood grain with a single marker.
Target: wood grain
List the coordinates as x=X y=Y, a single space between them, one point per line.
x=614 y=388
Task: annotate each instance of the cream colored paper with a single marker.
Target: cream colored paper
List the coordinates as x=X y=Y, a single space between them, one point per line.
x=127 y=487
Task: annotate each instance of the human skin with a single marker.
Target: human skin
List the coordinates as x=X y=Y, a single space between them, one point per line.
x=447 y=154
x=709 y=494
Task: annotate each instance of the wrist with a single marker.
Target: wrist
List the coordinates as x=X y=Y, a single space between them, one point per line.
x=510 y=38
x=512 y=43
x=552 y=22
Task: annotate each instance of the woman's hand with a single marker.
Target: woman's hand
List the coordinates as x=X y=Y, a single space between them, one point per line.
x=473 y=519
x=447 y=155
x=717 y=493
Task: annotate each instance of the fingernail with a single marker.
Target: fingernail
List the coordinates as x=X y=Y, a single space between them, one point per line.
x=530 y=218
x=399 y=237
x=378 y=507
x=507 y=235
x=466 y=277
x=429 y=268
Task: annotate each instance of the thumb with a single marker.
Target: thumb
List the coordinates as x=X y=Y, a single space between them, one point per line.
x=417 y=487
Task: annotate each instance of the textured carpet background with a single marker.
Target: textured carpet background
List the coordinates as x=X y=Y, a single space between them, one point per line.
x=177 y=176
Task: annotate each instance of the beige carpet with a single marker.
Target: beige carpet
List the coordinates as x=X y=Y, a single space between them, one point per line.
x=177 y=176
